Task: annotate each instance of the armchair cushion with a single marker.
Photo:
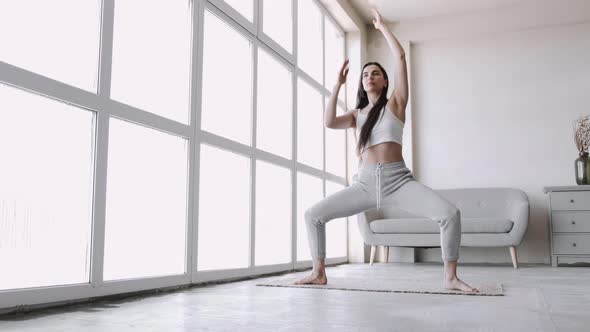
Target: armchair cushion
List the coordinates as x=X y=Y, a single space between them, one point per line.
x=427 y=226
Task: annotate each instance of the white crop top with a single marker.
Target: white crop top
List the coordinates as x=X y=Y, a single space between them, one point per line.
x=387 y=129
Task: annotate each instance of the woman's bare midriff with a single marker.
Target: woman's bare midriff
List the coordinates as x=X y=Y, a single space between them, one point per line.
x=387 y=152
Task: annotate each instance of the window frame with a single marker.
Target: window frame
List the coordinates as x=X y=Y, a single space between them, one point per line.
x=106 y=108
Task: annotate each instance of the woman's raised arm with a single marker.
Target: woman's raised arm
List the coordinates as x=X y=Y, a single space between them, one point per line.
x=399 y=95
x=330 y=119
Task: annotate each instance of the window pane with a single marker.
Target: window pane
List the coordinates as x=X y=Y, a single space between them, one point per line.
x=273 y=214
x=336 y=149
x=47 y=174
x=40 y=37
x=146 y=210
x=309 y=192
x=334 y=56
x=310 y=125
x=310 y=39
x=244 y=7
x=274 y=113
x=335 y=228
x=227 y=81
x=277 y=22
x=224 y=211
x=151 y=62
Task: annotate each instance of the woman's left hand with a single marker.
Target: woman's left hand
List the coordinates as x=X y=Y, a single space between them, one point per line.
x=378 y=22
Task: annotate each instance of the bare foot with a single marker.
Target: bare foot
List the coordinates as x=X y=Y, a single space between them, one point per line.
x=314 y=278
x=456 y=284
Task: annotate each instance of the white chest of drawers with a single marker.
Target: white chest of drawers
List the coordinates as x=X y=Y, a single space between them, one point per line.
x=569 y=221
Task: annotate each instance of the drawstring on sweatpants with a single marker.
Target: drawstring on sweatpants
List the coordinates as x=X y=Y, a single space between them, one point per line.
x=378 y=175
x=378 y=187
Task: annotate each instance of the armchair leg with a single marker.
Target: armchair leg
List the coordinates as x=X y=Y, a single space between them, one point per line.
x=514 y=257
x=373 y=249
x=386 y=254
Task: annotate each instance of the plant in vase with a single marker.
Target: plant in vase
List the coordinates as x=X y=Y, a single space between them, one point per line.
x=582 y=139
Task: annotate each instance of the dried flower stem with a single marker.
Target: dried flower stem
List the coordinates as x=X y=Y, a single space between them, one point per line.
x=582 y=133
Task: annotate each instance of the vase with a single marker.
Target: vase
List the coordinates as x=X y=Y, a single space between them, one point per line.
x=582 y=165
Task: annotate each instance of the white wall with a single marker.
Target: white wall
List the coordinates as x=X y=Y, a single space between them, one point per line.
x=493 y=106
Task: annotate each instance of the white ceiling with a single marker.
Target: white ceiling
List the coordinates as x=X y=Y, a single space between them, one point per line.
x=401 y=10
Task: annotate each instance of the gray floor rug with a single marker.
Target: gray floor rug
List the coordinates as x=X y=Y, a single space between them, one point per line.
x=394 y=285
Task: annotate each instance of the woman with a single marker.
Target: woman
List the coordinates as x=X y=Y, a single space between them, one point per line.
x=383 y=178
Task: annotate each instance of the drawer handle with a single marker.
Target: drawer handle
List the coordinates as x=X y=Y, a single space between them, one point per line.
x=574 y=244
x=573 y=222
x=571 y=200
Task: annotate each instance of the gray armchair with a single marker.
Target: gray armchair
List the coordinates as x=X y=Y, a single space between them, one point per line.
x=490 y=217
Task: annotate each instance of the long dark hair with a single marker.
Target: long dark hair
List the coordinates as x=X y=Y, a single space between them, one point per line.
x=362 y=100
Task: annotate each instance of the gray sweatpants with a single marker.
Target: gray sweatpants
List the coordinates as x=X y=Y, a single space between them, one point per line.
x=376 y=185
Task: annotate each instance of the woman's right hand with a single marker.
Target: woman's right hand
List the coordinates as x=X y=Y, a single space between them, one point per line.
x=343 y=73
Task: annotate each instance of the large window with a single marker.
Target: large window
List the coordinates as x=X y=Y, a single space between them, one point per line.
x=46 y=191
x=147 y=191
x=150 y=68
x=334 y=55
x=273 y=214
x=310 y=125
x=310 y=39
x=244 y=7
x=224 y=210
x=275 y=106
x=227 y=81
x=40 y=38
x=248 y=104
x=162 y=143
x=278 y=22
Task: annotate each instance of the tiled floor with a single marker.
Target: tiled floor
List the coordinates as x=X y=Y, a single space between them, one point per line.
x=537 y=298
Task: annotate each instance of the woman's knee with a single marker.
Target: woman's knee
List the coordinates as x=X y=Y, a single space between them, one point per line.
x=453 y=216
x=312 y=218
